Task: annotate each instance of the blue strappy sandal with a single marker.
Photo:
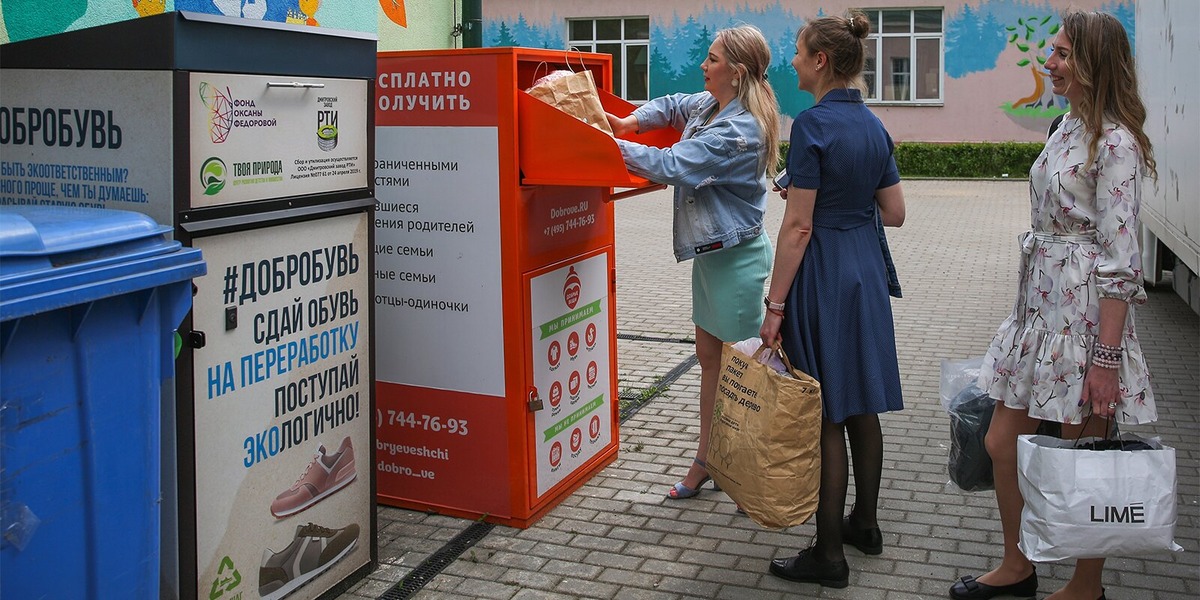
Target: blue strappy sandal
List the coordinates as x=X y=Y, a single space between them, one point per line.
x=683 y=492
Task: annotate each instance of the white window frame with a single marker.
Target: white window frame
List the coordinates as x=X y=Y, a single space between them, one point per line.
x=619 y=62
x=875 y=40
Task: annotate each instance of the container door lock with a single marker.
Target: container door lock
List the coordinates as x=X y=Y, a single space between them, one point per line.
x=196 y=339
x=535 y=401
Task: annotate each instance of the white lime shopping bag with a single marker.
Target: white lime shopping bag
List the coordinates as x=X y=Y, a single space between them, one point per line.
x=1084 y=503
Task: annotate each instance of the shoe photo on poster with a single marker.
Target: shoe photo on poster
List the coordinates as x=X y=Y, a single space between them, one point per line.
x=326 y=474
x=313 y=550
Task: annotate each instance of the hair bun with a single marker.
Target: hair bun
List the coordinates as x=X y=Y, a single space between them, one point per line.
x=858 y=25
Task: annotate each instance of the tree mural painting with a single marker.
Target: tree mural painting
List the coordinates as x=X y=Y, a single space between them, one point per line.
x=1031 y=36
x=679 y=44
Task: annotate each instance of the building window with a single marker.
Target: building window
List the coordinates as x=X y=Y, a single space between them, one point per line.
x=628 y=41
x=904 y=56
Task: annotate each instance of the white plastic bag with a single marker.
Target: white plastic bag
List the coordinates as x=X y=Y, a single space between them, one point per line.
x=958 y=375
x=750 y=348
x=970 y=410
x=1082 y=503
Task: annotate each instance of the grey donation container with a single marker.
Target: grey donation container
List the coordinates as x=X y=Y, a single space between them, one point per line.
x=253 y=142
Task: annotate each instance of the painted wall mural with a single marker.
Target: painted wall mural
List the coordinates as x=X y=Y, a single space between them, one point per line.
x=1014 y=37
x=678 y=44
x=1022 y=35
x=994 y=88
x=394 y=11
x=399 y=24
x=350 y=15
x=27 y=19
x=417 y=24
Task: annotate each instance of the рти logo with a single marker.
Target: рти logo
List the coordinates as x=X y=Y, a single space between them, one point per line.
x=212 y=176
x=327 y=131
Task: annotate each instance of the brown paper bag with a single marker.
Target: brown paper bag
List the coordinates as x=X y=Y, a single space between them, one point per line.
x=764 y=448
x=574 y=94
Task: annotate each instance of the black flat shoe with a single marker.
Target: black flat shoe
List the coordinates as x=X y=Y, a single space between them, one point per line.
x=805 y=567
x=966 y=588
x=868 y=541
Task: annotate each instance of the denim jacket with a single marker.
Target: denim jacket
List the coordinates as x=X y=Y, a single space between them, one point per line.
x=717 y=170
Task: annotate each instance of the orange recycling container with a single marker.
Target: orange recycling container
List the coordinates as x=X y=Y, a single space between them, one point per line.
x=495 y=283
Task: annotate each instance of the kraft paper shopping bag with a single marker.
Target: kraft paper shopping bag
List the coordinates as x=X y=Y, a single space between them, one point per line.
x=574 y=94
x=765 y=444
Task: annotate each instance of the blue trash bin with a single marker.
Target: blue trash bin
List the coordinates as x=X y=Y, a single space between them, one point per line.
x=89 y=302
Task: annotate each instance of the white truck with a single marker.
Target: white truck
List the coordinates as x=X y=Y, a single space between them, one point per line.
x=1167 y=44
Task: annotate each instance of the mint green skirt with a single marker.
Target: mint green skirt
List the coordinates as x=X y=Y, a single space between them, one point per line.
x=727 y=289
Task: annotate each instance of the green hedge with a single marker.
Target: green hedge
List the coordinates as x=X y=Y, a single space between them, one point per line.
x=966 y=159
x=973 y=160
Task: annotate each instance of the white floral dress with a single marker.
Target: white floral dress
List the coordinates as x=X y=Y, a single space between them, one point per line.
x=1083 y=246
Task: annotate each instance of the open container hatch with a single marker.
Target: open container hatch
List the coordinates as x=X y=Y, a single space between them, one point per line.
x=557 y=149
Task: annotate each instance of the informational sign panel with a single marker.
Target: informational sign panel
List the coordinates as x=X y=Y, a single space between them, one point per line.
x=570 y=308
x=86 y=138
x=255 y=137
x=437 y=238
x=437 y=258
x=282 y=409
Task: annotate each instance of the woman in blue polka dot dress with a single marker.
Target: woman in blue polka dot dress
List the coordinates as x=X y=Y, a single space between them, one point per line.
x=829 y=296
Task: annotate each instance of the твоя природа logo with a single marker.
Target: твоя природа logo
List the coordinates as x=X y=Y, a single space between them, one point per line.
x=212 y=176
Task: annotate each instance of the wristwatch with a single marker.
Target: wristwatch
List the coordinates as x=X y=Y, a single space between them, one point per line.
x=772 y=305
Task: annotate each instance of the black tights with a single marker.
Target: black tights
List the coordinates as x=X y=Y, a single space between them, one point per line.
x=866 y=447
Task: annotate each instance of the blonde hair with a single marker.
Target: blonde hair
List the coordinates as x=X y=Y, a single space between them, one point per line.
x=747 y=52
x=1102 y=64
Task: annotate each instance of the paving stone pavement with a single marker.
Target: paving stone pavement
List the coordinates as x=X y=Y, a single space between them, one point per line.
x=618 y=537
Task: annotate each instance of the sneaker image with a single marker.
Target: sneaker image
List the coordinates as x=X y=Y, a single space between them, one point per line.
x=326 y=474
x=314 y=550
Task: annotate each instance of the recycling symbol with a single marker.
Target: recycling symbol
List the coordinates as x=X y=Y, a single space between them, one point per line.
x=226 y=581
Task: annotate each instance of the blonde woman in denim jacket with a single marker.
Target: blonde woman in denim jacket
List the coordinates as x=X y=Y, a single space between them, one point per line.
x=719 y=169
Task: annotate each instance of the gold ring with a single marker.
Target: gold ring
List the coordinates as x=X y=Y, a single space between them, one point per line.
x=1112 y=405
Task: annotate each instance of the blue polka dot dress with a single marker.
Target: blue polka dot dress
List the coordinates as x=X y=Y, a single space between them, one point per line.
x=837 y=323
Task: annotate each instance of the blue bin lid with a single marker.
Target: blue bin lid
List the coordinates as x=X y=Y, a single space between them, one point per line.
x=51 y=257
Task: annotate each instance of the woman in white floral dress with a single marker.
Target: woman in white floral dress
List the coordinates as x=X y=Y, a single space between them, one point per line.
x=1069 y=349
